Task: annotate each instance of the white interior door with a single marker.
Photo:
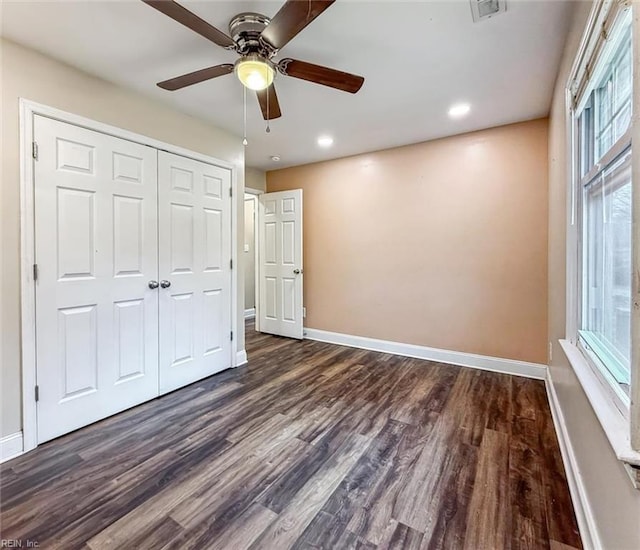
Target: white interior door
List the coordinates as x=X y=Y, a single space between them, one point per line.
x=280 y=264
x=195 y=270
x=96 y=251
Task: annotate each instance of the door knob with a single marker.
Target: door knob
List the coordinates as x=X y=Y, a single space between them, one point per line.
x=165 y=284
x=153 y=285
x=297 y=271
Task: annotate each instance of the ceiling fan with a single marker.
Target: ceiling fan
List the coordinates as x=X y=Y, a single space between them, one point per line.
x=258 y=39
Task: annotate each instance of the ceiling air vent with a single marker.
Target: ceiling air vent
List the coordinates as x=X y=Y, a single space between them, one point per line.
x=484 y=9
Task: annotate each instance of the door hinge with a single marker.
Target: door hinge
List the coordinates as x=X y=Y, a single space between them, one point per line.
x=37 y=393
x=230 y=264
x=34 y=150
x=35 y=272
x=231 y=191
x=232 y=336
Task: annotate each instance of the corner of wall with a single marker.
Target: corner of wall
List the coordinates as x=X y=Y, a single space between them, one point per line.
x=255 y=178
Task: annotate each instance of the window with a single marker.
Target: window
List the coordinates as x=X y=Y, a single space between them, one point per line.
x=604 y=169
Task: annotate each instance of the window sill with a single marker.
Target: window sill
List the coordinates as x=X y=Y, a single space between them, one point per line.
x=615 y=425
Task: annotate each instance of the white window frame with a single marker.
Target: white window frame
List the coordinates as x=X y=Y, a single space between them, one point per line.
x=618 y=413
x=620 y=399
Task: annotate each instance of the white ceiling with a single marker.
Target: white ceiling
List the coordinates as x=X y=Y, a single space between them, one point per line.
x=418 y=58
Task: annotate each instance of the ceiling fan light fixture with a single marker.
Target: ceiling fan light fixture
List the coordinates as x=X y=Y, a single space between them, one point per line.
x=255 y=72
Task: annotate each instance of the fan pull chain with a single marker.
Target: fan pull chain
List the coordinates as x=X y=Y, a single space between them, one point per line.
x=268 y=128
x=244 y=114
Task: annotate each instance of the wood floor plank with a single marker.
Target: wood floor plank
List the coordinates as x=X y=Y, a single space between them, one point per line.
x=447 y=530
x=225 y=502
x=528 y=513
x=555 y=545
x=241 y=484
x=421 y=496
x=309 y=445
x=383 y=502
x=424 y=488
x=242 y=532
x=303 y=507
x=489 y=522
x=500 y=409
x=154 y=537
x=328 y=532
x=561 y=526
x=371 y=470
x=404 y=538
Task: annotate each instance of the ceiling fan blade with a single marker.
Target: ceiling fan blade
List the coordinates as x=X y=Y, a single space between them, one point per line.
x=192 y=21
x=294 y=16
x=195 y=77
x=273 y=107
x=321 y=75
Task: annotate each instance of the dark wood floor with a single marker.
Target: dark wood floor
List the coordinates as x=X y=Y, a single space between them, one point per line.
x=308 y=446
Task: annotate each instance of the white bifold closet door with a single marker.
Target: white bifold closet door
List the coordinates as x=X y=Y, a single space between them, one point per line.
x=133 y=293
x=195 y=256
x=96 y=250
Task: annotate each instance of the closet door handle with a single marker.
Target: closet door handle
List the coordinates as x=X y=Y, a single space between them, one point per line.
x=165 y=284
x=153 y=285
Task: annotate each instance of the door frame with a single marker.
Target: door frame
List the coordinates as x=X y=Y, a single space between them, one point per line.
x=256 y=249
x=29 y=109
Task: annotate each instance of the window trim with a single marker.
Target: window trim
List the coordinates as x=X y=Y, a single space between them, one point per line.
x=621 y=423
x=606 y=72
x=581 y=183
x=635 y=239
x=614 y=423
x=609 y=385
x=616 y=150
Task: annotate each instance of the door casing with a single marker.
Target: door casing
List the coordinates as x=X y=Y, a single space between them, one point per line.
x=28 y=109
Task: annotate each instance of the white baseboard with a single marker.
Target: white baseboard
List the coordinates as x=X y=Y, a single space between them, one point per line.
x=582 y=507
x=250 y=313
x=507 y=366
x=10 y=446
x=241 y=358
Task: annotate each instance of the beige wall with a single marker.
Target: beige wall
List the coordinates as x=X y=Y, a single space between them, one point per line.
x=33 y=76
x=615 y=504
x=441 y=244
x=249 y=255
x=255 y=179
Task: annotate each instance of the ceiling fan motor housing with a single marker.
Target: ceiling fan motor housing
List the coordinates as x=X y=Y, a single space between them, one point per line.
x=245 y=29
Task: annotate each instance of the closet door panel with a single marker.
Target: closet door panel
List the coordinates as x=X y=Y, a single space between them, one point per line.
x=96 y=251
x=195 y=271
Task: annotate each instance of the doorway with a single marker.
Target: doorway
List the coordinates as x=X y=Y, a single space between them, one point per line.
x=272 y=255
x=250 y=257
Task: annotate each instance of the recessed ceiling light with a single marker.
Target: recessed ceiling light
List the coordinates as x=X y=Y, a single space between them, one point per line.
x=459 y=110
x=275 y=158
x=325 y=141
